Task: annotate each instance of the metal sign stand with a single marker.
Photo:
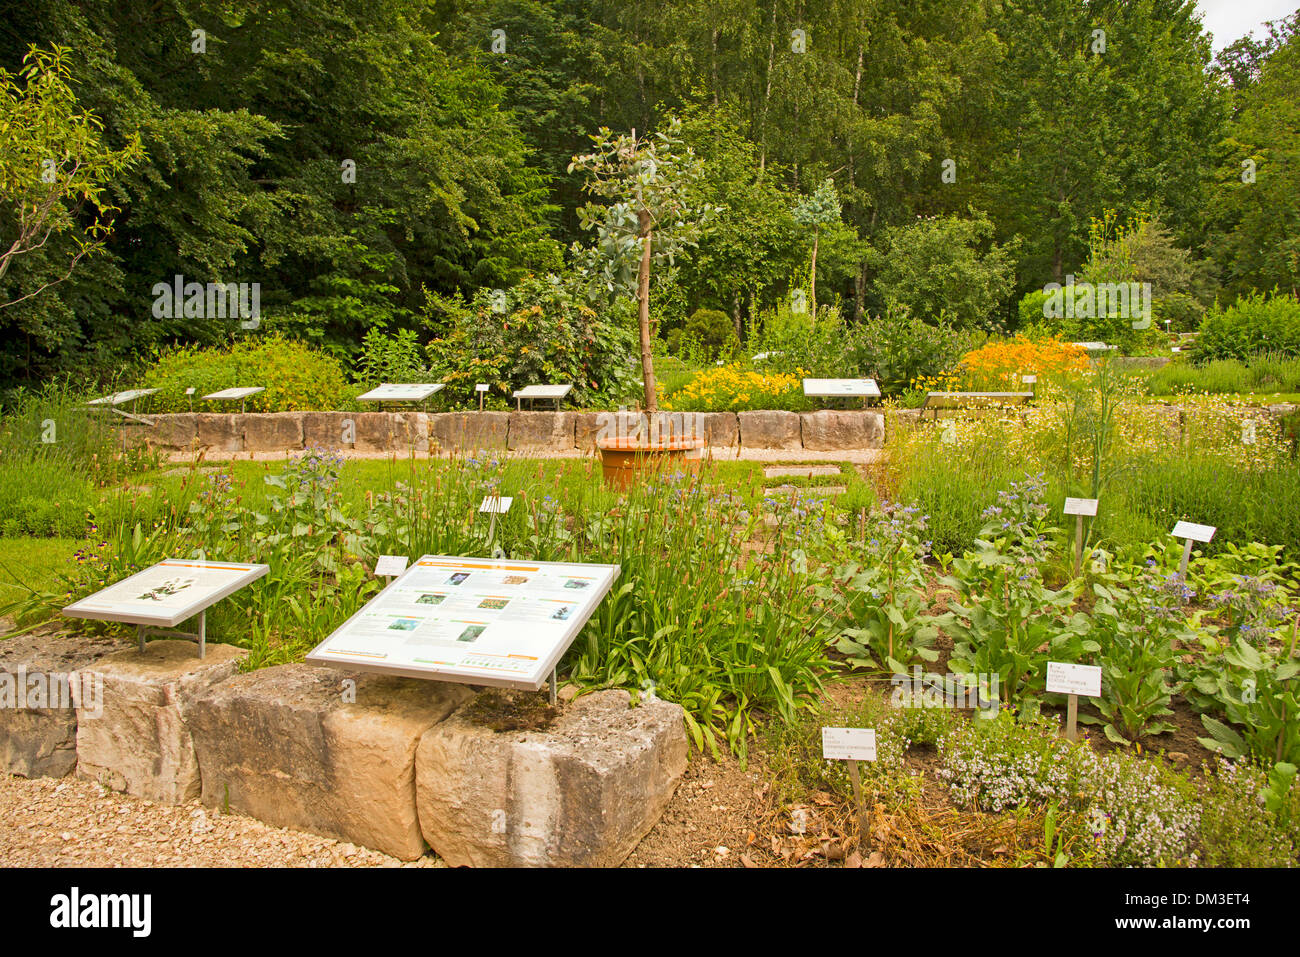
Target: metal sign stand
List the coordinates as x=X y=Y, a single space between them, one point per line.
x=200 y=637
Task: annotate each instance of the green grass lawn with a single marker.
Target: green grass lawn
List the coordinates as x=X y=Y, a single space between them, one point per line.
x=33 y=562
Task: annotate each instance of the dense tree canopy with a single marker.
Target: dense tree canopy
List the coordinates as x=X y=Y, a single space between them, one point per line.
x=351 y=156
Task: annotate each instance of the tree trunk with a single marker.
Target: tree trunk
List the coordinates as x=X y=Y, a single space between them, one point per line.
x=643 y=303
x=735 y=316
x=812 y=285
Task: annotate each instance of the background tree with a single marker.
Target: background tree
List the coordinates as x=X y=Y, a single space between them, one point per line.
x=54 y=166
x=814 y=212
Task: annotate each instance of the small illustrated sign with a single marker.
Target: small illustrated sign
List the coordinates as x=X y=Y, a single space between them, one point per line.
x=390 y=566
x=495 y=504
x=1081 y=506
x=849 y=744
x=1193 y=532
x=1065 y=678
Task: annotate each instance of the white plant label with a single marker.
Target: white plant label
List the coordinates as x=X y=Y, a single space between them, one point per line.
x=1081 y=506
x=1197 y=533
x=849 y=744
x=1065 y=678
x=481 y=387
x=494 y=503
x=390 y=566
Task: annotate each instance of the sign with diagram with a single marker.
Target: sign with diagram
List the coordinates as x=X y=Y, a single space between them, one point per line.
x=485 y=621
x=168 y=593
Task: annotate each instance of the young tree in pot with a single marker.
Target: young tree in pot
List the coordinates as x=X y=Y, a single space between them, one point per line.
x=653 y=214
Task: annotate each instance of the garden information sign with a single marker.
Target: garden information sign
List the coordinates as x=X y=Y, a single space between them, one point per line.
x=478 y=621
x=401 y=392
x=1074 y=680
x=850 y=388
x=851 y=745
x=1080 y=507
x=1191 y=532
x=164 y=595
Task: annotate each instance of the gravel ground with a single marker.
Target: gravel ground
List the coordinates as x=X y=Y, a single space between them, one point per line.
x=66 y=822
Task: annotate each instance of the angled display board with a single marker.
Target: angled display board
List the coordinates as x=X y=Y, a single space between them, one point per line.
x=829 y=388
x=401 y=392
x=481 y=621
x=166 y=594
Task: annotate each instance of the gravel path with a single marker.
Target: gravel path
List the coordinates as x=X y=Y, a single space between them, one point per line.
x=66 y=822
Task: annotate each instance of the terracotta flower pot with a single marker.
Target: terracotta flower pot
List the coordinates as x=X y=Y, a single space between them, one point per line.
x=626 y=461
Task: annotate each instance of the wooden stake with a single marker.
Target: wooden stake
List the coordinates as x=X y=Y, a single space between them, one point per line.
x=1187 y=557
x=865 y=840
x=1078 y=547
x=1072 y=718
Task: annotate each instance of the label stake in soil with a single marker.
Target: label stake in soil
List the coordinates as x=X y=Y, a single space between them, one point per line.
x=1080 y=507
x=852 y=745
x=1191 y=533
x=1073 y=680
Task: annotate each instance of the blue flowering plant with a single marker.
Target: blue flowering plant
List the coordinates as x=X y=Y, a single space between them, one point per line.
x=881 y=598
x=1005 y=619
x=1138 y=630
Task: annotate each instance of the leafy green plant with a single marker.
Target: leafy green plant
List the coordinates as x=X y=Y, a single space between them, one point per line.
x=882 y=598
x=1006 y=621
x=1261 y=703
x=394 y=357
x=1135 y=633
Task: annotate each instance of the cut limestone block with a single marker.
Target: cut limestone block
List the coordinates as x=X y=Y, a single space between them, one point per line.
x=587 y=427
x=410 y=432
x=769 y=430
x=469 y=432
x=137 y=738
x=273 y=432
x=38 y=719
x=321 y=750
x=550 y=431
x=721 y=429
x=373 y=431
x=218 y=431
x=800 y=471
x=329 y=430
x=171 y=433
x=830 y=431
x=583 y=792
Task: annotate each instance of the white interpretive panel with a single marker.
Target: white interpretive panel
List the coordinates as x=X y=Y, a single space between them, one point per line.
x=543 y=392
x=234 y=395
x=401 y=392
x=118 y=398
x=829 y=388
x=1197 y=533
x=168 y=593
x=483 y=621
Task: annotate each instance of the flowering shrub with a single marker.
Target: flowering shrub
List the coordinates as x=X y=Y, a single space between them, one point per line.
x=1139 y=813
x=734 y=388
x=998 y=365
x=295 y=376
